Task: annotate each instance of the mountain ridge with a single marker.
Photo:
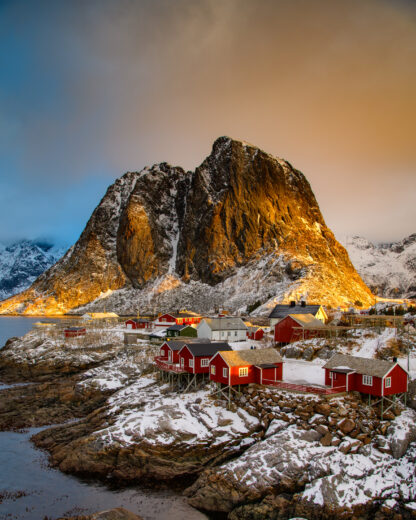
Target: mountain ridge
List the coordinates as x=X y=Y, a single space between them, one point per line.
x=243 y=216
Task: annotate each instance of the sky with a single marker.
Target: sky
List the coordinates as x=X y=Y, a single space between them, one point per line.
x=92 y=89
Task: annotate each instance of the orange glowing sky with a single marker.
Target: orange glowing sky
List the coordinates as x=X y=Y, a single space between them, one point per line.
x=97 y=88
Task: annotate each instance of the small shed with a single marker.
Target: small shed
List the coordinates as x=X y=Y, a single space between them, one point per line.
x=375 y=377
x=255 y=333
x=73 y=332
x=181 y=330
x=297 y=326
x=246 y=366
x=195 y=357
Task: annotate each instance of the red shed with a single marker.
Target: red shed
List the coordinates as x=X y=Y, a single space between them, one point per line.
x=195 y=357
x=241 y=367
x=369 y=376
x=297 y=326
x=255 y=333
x=73 y=332
x=138 y=323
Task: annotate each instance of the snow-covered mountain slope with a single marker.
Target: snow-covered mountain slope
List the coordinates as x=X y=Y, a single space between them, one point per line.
x=388 y=269
x=22 y=262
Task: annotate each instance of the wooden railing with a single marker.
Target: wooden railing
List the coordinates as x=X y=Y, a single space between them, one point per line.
x=304 y=388
x=167 y=366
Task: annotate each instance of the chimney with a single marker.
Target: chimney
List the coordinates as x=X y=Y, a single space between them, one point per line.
x=293 y=303
x=395 y=360
x=303 y=304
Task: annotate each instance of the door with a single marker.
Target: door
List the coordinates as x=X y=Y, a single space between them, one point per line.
x=170 y=356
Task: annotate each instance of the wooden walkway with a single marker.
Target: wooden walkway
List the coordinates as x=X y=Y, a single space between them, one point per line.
x=306 y=389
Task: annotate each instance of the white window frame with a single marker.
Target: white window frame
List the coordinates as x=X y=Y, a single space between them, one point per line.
x=204 y=362
x=243 y=372
x=367 y=380
x=213 y=370
x=331 y=375
x=224 y=372
x=191 y=363
x=387 y=383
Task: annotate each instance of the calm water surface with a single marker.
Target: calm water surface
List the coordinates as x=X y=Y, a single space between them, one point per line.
x=52 y=493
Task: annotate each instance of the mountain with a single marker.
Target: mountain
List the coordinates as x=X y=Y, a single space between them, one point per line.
x=388 y=269
x=22 y=262
x=243 y=229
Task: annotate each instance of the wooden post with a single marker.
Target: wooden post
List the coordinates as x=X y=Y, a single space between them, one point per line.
x=382 y=403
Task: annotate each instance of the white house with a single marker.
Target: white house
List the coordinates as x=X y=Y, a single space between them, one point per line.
x=219 y=329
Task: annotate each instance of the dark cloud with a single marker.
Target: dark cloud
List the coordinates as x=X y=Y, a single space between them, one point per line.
x=92 y=89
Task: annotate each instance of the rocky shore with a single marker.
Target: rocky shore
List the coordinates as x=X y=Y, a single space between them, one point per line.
x=273 y=454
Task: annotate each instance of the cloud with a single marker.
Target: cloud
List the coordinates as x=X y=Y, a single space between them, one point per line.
x=96 y=88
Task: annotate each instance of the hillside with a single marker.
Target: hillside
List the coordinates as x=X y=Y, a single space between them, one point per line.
x=244 y=226
x=388 y=269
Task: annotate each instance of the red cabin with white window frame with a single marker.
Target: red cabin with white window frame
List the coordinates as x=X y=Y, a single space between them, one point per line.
x=195 y=357
x=297 y=326
x=169 y=351
x=369 y=376
x=180 y=318
x=242 y=367
x=138 y=323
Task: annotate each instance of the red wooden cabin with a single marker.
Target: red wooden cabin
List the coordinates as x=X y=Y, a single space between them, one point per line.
x=297 y=326
x=241 y=367
x=255 y=333
x=195 y=357
x=169 y=351
x=73 y=332
x=180 y=318
x=138 y=323
x=369 y=376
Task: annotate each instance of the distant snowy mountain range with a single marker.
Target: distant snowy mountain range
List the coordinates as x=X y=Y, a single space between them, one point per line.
x=389 y=269
x=22 y=262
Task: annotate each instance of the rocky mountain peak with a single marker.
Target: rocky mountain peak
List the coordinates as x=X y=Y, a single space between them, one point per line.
x=167 y=233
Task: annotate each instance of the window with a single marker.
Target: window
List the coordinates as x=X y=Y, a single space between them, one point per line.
x=213 y=370
x=182 y=362
x=229 y=333
x=225 y=372
x=204 y=362
x=191 y=363
x=388 y=382
x=235 y=333
x=243 y=372
x=368 y=380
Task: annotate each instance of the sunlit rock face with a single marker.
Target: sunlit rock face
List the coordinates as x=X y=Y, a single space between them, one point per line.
x=244 y=226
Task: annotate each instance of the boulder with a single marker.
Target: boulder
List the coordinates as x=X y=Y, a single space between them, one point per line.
x=346 y=425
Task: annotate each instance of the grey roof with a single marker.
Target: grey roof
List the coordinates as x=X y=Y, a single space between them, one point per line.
x=179 y=327
x=307 y=320
x=366 y=366
x=258 y=357
x=207 y=349
x=177 y=345
x=281 y=310
x=225 y=323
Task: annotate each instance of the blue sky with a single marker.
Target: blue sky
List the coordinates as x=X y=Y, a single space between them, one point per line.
x=92 y=89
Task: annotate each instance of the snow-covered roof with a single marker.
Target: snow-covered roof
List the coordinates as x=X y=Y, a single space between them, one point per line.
x=225 y=323
x=265 y=356
x=307 y=320
x=370 y=367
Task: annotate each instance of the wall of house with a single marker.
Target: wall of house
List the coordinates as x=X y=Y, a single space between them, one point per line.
x=398 y=381
x=164 y=352
x=374 y=389
x=204 y=331
x=235 y=379
x=186 y=355
x=219 y=364
x=189 y=332
x=283 y=331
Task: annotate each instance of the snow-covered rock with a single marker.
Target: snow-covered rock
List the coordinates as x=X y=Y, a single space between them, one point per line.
x=22 y=262
x=388 y=269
